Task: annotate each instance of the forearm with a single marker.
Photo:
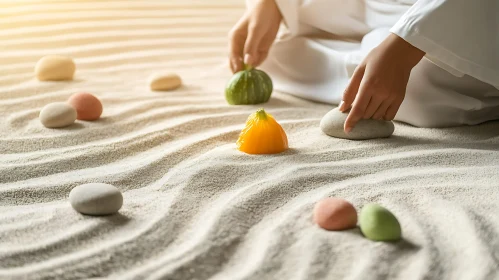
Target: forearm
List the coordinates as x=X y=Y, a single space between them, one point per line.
x=407 y=53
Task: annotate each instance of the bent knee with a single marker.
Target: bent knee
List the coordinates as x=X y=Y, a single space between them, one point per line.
x=428 y=105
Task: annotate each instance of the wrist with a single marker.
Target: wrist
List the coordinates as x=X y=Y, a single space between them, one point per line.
x=406 y=52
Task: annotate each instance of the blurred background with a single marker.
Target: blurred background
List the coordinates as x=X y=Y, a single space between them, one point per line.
x=106 y=36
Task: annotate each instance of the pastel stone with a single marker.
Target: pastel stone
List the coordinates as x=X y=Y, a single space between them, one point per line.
x=164 y=82
x=58 y=114
x=88 y=107
x=96 y=199
x=379 y=224
x=333 y=122
x=335 y=214
x=55 y=68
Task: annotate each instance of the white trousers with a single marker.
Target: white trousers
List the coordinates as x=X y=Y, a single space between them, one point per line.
x=326 y=39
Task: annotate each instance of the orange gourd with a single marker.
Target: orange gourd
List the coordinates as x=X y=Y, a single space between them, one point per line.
x=262 y=135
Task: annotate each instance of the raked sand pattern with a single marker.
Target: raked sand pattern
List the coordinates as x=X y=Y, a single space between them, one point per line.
x=194 y=206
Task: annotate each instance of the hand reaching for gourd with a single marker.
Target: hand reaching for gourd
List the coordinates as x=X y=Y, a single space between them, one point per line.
x=378 y=85
x=253 y=35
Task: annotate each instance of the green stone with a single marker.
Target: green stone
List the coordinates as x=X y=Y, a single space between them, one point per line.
x=379 y=224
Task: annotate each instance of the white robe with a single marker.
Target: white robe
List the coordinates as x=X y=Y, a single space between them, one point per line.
x=456 y=83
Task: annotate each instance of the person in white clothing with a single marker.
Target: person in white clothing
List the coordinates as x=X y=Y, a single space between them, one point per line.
x=429 y=63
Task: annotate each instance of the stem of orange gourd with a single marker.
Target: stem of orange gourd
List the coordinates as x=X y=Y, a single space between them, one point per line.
x=261 y=114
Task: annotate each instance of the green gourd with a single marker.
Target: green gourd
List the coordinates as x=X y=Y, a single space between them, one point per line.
x=249 y=86
x=379 y=224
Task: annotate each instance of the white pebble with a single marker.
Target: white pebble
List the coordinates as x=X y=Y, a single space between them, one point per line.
x=55 y=68
x=57 y=114
x=96 y=199
x=161 y=82
x=333 y=125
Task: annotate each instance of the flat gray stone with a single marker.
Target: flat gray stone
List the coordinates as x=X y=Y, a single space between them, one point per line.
x=333 y=122
x=96 y=199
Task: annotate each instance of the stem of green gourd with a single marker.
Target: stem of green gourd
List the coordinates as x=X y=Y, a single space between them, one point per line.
x=247 y=67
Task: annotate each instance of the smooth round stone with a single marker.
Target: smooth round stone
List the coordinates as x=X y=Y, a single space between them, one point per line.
x=57 y=114
x=96 y=199
x=379 y=224
x=335 y=214
x=88 y=107
x=164 y=82
x=333 y=122
x=55 y=68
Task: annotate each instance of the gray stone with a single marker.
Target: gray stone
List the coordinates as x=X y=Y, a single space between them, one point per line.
x=57 y=114
x=96 y=199
x=333 y=125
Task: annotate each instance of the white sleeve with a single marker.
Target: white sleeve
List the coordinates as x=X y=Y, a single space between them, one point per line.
x=289 y=11
x=461 y=36
x=306 y=17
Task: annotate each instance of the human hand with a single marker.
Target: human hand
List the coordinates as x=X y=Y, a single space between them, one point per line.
x=253 y=35
x=378 y=85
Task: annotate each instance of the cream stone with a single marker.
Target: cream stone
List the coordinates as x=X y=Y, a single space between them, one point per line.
x=164 y=82
x=55 y=68
x=57 y=114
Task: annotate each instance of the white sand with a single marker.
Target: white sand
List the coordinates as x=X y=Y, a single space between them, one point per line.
x=195 y=207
